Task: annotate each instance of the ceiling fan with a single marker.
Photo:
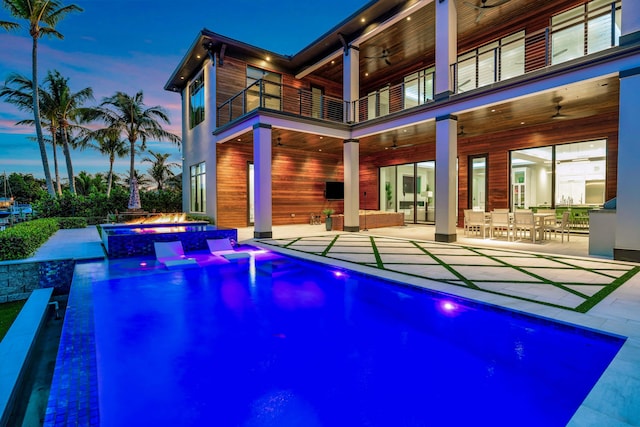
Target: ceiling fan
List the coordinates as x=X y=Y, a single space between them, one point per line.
x=558 y=114
x=384 y=55
x=395 y=144
x=484 y=6
x=462 y=132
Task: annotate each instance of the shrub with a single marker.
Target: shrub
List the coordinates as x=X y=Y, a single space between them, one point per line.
x=72 y=222
x=195 y=217
x=22 y=240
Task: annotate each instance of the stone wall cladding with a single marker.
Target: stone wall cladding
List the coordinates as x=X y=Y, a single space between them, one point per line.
x=131 y=245
x=19 y=278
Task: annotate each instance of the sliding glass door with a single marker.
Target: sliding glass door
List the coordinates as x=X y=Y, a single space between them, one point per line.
x=478 y=182
x=410 y=189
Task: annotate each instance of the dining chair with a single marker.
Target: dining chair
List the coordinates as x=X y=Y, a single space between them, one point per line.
x=478 y=222
x=562 y=226
x=466 y=221
x=500 y=223
x=524 y=221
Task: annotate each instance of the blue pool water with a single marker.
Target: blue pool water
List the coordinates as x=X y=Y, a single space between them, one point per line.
x=276 y=341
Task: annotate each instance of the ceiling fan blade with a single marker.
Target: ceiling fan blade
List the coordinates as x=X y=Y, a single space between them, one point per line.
x=499 y=3
x=479 y=15
x=387 y=61
x=472 y=5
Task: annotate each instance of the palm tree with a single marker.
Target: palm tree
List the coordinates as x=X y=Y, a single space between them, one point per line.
x=142 y=179
x=53 y=141
x=9 y=25
x=87 y=183
x=18 y=90
x=129 y=117
x=64 y=105
x=57 y=104
x=160 y=170
x=112 y=146
x=42 y=16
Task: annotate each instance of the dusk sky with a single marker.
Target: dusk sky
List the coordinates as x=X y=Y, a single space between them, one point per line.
x=132 y=45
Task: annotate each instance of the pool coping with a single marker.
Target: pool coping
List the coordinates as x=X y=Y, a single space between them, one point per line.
x=615 y=398
x=17 y=346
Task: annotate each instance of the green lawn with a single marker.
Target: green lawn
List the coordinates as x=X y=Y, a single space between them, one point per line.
x=8 y=312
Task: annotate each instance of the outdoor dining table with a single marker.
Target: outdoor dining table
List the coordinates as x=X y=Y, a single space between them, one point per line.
x=543 y=219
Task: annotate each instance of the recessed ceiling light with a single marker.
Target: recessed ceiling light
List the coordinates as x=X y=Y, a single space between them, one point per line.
x=268 y=58
x=239 y=139
x=366 y=74
x=181 y=77
x=319 y=149
x=493 y=110
x=333 y=62
x=363 y=20
x=408 y=18
x=323 y=137
x=521 y=123
x=198 y=56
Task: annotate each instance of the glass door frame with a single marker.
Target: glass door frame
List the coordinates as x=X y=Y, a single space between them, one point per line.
x=470 y=174
x=250 y=193
x=408 y=188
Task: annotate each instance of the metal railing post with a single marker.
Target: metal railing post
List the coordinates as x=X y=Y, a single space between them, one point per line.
x=547 y=53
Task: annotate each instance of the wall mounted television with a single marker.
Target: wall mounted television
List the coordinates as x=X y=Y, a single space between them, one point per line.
x=334 y=190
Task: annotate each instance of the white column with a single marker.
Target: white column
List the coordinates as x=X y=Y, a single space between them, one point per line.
x=446 y=47
x=627 y=243
x=351 y=185
x=185 y=148
x=630 y=19
x=211 y=177
x=446 y=177
x=262 y=178
x=351 y=81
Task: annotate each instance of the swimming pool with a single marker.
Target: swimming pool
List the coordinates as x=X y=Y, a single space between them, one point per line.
x=277 y=341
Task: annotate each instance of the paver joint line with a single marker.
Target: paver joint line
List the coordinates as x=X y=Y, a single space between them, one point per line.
x=501 y=257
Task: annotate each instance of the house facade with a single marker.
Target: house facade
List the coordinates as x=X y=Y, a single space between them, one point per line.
x=424 y=107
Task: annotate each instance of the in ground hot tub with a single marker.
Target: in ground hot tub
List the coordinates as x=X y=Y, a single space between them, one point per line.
x=129 y=240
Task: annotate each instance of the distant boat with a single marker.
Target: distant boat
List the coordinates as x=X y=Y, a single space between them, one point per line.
x=6 y=203
x=6 y=206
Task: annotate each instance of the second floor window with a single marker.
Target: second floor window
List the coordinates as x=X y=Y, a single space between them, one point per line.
x=490 y=63
x=585 y=29
x=418 y=88
x=264 y=89
x=196 y=101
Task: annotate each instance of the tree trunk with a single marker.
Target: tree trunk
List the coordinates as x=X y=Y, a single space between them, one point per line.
x=67 y=157
x=110 y=178
x=36 y=116
x=55 y=166
x=133 y=160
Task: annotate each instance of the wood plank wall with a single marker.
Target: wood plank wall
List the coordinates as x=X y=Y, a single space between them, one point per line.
x=298 y=181
x=497 y=146
x=232 y=79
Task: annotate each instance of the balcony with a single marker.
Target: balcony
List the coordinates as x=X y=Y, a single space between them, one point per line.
x=288 y=99
x=573 y=34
